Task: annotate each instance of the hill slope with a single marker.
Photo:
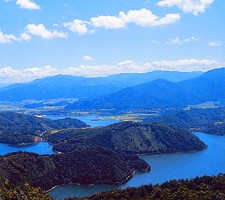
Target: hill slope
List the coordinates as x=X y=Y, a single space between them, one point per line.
x=128 y=137
x=86 y=166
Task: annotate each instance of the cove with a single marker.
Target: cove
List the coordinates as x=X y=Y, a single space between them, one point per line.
x=91 y=120
x=39 y=148
x=164 y=167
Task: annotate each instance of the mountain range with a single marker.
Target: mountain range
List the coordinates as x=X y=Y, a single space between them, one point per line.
x=64 y=86
x=162 y=93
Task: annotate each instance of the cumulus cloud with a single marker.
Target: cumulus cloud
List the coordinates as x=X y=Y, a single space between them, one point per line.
x=88 y=58
x=9 y=38
x=41 y=31
x=28 y=4
x=6 y=38
x=179 y=41
x=215 y=44
x=77 y=26
x=188 y=6
x=9 y=74
x=108 y=22
x=142 y=17
x=146 y=18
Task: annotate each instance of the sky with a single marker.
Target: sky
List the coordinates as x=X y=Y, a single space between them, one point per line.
x=92 y=38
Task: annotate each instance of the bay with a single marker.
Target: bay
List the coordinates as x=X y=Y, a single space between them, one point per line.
x=39 y=148
x=164 y=167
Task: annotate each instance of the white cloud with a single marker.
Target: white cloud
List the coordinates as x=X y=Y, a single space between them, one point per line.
x=108 y=22
x=188 y=6
x=9 y=38
x=9 y=74
x=215 y=44
x=77 y=26
x=40 y=30
x=179 y=41
x=142 y=17
x=88 y=58
x=25 y=36
x=6 y=38
x=28 y=4
x=146 y=18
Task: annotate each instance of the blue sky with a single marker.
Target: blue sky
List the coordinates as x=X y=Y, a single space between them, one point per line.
x=40 y=38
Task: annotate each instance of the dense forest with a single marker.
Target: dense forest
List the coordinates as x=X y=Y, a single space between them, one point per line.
x=204 y=188
x=84 y=166
x=10 y=192
x=128 y=137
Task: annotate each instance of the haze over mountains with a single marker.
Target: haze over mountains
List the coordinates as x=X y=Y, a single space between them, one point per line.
x=161 y=93
x=63 y=86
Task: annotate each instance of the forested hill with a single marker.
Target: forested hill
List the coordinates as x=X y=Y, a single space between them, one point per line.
x=202 y=188
x=18 y=128
x=162 y=94
x=86 y=166
x=128 y=137
x=210 y=120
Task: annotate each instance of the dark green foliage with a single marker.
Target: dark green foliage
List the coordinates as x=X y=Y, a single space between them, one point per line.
x=86 y=166
x=20 y=128
x=205 y=120
x=128 y=137
x=9 y=192
x=204 y=188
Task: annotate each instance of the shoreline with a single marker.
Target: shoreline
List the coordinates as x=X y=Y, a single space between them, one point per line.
x=115 y=184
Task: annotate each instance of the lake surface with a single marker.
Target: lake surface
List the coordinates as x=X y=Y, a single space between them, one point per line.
x=46 y=148
x=91 y=120
x=164 y=167
x=39 y=148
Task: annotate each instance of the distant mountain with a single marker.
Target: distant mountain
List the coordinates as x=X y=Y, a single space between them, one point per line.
x=128 y=137
x=20 y=128
x=210 y=86
x=63 y=86
x=59 y=86
x=132 y=79
x=86 y=166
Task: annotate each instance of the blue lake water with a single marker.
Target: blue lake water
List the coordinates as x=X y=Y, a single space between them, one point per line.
x=91 y=120
x=39 y=148
x=164 y=167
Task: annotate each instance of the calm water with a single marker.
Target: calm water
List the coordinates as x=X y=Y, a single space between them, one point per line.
x=165 y=167
x=44 y=147
x=39 y=148
x=91 y=120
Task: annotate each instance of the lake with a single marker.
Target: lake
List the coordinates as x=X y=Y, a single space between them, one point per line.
x=46 y=148
x=164 y=167
x=39 y=148
x=91 y=120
